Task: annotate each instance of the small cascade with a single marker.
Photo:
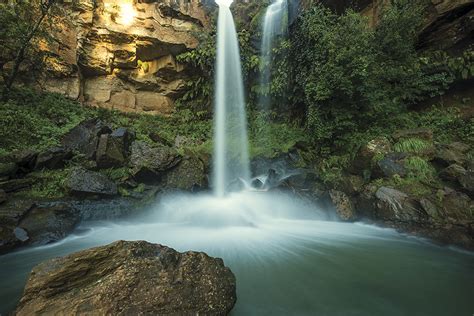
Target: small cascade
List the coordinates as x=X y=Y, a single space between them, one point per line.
x=275 y=24
x=231 y=158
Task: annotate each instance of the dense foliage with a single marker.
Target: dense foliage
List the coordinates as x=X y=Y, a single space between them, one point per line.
x=23 y=23
x=354 y=81
x=29 y=119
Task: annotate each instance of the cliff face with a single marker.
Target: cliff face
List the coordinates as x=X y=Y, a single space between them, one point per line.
x=122 y=54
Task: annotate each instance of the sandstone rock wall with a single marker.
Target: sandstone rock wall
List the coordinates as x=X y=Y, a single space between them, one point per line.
x=121 y=54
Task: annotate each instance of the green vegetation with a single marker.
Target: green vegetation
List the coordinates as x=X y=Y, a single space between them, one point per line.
x=48 y=184
x=22 y=22
x=268 y=139
x=30 y=119
x=412 y=145
x=419 y=168
x=356 y=82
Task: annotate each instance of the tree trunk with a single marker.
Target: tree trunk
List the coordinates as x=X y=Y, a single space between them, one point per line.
x=20 y=56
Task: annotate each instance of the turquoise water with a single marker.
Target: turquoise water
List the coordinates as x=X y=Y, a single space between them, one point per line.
x=289 y=259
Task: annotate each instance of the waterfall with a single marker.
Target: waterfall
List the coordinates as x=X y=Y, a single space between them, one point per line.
x=231 y=157
x=275 y=24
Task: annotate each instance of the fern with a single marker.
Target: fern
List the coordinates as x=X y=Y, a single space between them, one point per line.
x=419 y=168
x=412 y=145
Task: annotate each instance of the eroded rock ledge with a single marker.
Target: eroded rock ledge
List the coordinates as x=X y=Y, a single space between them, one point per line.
x=130 y=278
x=122 y=54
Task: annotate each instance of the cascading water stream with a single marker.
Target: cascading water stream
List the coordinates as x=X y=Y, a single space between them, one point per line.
x=275 y=24
x=231 y=158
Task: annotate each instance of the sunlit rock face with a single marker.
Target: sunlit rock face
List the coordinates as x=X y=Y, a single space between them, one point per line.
x=121 y=54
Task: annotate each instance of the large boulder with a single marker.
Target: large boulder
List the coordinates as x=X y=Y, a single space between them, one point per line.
x=85 y=183
x=456 y=206
x=46 y=224
x=150 y=162
x=84 y=137
x=53 y=158
x=364 y=159
x=130 y=278
x=188 y=175
x=452 y=173
x=392 y=164
x=344 y=206
x=11 y=213
x=454 y=153
x=113 y=149
x=396 y=206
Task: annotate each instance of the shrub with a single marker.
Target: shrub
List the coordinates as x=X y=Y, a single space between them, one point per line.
x=355 y=81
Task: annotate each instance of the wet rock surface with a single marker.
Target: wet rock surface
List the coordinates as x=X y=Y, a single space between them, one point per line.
x=149 y=162
x=49 y=223
x=344 y=206
x=189 y=175
x=127 y=278
x=86 y=183
x=25 y=222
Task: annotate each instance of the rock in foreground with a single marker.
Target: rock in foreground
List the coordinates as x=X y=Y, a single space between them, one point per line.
x=130 y=278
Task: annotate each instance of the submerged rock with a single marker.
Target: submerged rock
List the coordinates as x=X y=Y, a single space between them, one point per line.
x=130 y=278
x=83 y=182
x=11 y=213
